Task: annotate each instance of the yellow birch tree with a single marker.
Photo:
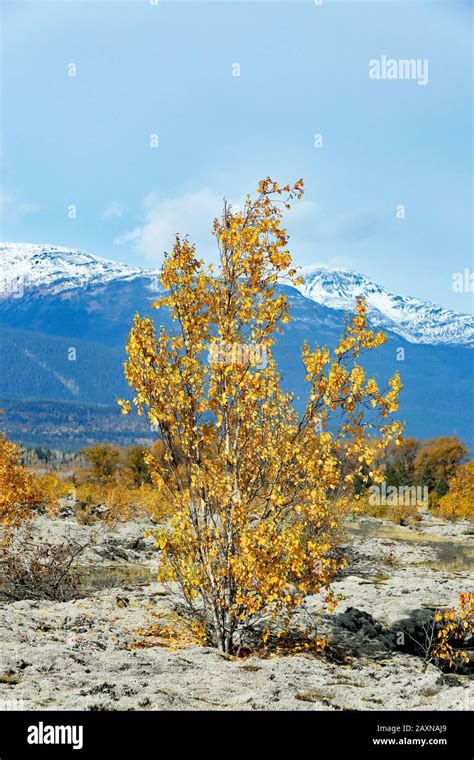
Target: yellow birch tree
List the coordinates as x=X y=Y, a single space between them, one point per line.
x=256 y=492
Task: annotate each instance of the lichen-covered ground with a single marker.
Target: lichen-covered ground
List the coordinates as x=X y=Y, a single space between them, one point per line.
x=82 y=654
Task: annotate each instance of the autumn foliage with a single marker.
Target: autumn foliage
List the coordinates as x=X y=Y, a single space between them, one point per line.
x=458 y=503
x=256 y=492
x=103 y=462
x=426 y=469
x=454 y=626
x=119 y=480
x=21 y=491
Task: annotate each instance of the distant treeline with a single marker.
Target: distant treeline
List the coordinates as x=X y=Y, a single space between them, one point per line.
x=431 y=463
x=69 y=427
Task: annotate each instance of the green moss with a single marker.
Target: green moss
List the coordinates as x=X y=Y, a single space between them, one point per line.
x=314 y=696
x=10 y=680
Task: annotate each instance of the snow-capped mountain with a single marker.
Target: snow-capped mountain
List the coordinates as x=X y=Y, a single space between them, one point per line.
x=415 y=320
x=54 y=269
x=51 y=270
x=53 y=299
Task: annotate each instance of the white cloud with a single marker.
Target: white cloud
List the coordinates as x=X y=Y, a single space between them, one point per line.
x=112 y=211
x=12 y=207
x=321 y=237
x=189 y=214
x=192 y=214
x=314 y=235
x=355 y=225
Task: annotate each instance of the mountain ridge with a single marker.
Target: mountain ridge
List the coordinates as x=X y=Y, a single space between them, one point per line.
x=49 y=391
x=46 y=269
x=55 y=269
x=414 y=319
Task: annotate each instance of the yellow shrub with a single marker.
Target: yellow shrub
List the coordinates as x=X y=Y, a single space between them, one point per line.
x=122 y=501
x=257 y=491
x=457 y=624
x=458 y=503
x=20 y=490
x=398 y=513
x=52 y=489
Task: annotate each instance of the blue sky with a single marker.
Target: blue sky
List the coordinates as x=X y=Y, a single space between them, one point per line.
x=167 y=69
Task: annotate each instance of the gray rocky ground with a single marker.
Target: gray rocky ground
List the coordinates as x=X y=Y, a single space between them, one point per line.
x=79 y=654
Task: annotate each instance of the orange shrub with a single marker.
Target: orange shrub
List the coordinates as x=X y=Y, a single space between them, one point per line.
x=458 y=503
x=20 y=490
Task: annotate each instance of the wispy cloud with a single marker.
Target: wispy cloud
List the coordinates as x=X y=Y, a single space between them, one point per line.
x=188 y=214
x=312 y=230
x=112 y=211
x=356 y=225
x=12 y=207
